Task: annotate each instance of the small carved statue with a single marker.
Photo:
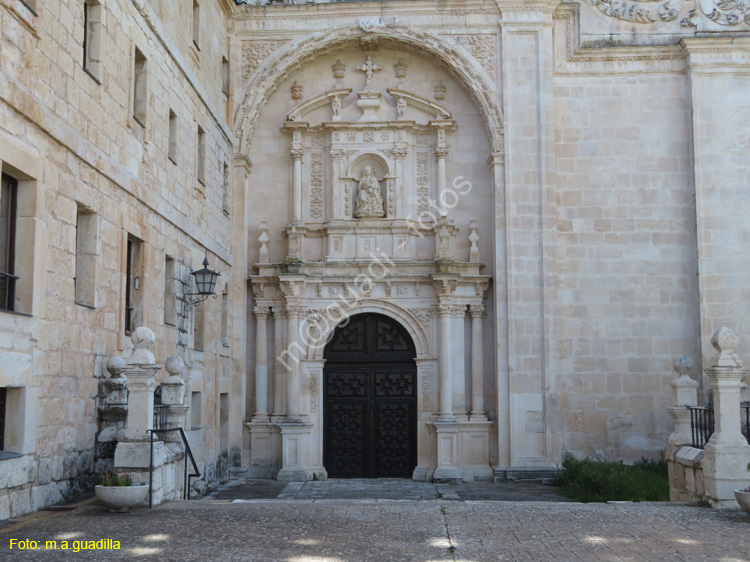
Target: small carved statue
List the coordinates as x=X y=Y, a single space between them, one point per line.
x=369 y=199
x=336 y=106
x=401 y=107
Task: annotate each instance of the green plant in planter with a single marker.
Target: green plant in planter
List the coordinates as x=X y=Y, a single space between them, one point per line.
x=114 y=479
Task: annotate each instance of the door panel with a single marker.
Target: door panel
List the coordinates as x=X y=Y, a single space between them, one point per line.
x=370 y=401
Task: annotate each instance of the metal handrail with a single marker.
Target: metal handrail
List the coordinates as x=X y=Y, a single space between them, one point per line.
x=160 y=416
x=188 y=454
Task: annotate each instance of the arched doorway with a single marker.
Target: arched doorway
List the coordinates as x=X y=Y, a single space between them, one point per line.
x=370 y=400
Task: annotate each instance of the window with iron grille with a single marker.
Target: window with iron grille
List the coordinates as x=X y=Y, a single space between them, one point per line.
x=8 y=204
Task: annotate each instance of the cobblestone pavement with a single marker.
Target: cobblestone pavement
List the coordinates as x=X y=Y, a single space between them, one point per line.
x=390 y=530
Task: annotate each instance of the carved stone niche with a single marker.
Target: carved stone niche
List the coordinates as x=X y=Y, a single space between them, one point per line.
x=356 y=173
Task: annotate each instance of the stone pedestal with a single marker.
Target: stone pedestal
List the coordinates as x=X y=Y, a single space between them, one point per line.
x=295 y=454
x=681 y=475
x=447 y=453
x=264 y=444
x=725 y=463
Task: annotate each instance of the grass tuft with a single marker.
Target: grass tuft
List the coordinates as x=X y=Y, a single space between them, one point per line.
x=599 y=481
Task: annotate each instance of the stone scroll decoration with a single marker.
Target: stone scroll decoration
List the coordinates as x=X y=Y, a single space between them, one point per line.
x=316 y=185
x=483 y=48
x=254 y=53
x=722 y=12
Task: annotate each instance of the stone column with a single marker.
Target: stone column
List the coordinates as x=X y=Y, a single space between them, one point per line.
x=297 y=154
x=279 y=316
x=725 y=463
x=441 y=153
x=477 y=363
x=261 y=363
x=445 y=412
x=292 y=383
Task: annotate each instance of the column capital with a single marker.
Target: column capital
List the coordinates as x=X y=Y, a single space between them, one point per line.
x=477 y=310
x=297 y=153
x=441 y=152
x=261 y=311
x=445 y=309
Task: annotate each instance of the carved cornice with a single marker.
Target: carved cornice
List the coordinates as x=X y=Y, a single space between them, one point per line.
x=726 y=13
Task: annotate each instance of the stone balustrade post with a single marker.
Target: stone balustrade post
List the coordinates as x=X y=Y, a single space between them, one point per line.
x=727 y=454
x=139 y=370
x=686 y=394
x=173 y=395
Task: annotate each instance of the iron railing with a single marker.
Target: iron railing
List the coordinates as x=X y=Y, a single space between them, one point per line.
x=702 y=424
x=7 y=291
x=188 y=455
x=160 y=416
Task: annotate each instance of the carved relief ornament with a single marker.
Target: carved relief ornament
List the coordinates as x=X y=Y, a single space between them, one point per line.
x=254 y=53
x=723 y=12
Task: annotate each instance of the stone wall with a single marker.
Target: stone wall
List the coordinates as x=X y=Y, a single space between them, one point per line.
x=73 y=143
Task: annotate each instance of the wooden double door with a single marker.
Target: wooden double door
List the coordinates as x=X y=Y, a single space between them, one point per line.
x=370 y=400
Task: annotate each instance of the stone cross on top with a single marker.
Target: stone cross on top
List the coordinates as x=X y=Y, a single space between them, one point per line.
x=369 y=67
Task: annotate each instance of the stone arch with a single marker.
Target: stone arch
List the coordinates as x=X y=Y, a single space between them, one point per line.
x=408 y=320
x=452 y=58
x=378 y=164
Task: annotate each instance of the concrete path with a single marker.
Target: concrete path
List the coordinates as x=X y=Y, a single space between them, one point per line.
x=436 y=530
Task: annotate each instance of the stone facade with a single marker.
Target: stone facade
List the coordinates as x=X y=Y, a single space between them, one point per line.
x=600 y=234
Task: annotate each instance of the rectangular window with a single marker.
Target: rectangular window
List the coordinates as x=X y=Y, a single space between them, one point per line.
x=225 y=318
x=3 y=409
x=172 y=150
x=226 y=199
x=199 y=326
x=225 y=75
x=170 y=292
x=195 y=410
x=201 y=156
x=140 y=87
x=133 y=275
x=196 y=25
x=92 y=38
x=8 y=212
x=86 y=252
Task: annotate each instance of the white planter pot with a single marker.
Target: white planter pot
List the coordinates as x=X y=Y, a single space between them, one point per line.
x=122 y=497
x=743 y=498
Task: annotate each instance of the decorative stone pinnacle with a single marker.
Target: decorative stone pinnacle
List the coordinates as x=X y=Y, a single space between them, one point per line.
x=142 y=339
x=175 y=366
x=683 y=365
x=115 y=366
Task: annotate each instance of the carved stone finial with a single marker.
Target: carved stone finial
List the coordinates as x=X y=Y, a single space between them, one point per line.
x=683 y=365
x=725 y=340
x=474 y=238
x=339 y=71
x=297 y=90
x=115 y=366
x=400 y=67
x=263 y=239
x=142 y=339
x=175 y=366
x=368 y=25
x=440 y=91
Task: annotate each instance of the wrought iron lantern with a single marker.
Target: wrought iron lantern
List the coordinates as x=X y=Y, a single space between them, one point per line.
x=205 y=282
